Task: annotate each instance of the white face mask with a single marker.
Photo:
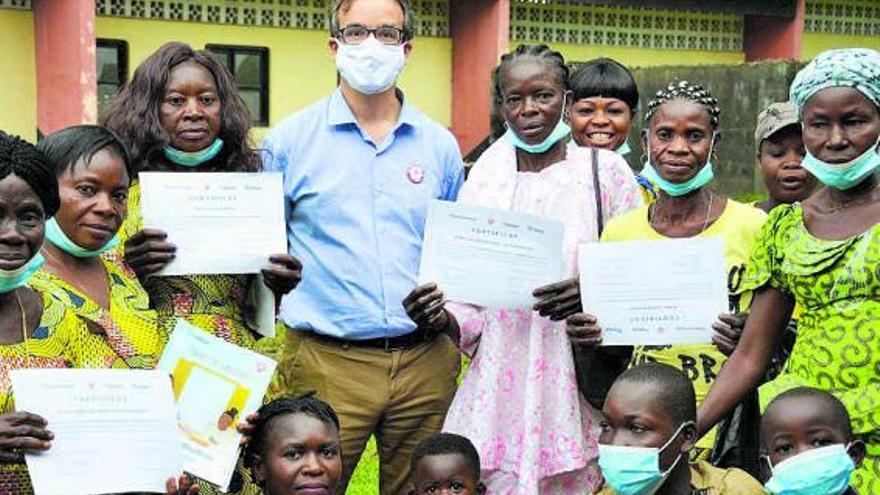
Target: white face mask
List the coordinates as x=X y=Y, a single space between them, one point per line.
x=370 y=67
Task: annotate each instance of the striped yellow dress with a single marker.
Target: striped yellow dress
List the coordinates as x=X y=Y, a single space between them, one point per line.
x=60 y=340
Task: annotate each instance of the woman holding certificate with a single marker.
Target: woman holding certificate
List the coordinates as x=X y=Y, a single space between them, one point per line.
x=824 y=255
x=82 y=271
x=36 y=330
x=681 y=141
x=182 y=113
x=519 y=401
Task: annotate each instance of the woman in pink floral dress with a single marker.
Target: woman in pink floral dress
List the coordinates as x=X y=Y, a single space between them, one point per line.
x=519 y=402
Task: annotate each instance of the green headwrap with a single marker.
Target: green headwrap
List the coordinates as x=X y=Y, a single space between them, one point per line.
x=857 y=68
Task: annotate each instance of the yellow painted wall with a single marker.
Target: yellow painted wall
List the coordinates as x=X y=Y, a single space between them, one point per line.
x=816 y=43
x=18 y=80
x=642 y=57
x=301 y=69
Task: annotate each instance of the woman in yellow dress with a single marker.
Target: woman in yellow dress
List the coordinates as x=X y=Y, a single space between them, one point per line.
x=681 y=140
x=182 y=113
x=82 y=271
x=36 y=330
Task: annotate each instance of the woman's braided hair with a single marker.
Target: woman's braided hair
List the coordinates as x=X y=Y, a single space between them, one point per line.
x=684 y=90
x=554 y=58
x=22 y=159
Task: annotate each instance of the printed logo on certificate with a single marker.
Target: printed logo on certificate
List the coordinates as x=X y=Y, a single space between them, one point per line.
x=661 y=292
x=216 y=385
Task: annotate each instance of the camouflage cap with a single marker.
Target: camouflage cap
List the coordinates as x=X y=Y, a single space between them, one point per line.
x=772 y=119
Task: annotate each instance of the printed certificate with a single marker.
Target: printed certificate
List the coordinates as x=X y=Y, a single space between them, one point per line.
x=489 y=257
x=114 y=429
x=220 y=222
x=216 y=385
x=654 y=292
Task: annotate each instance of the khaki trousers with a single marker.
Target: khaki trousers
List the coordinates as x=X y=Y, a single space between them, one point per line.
x=401 y=396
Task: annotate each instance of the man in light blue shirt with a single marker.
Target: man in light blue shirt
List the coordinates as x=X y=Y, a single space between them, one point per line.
x=360 y=168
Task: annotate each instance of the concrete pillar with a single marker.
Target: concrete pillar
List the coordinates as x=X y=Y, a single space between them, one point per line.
x=774 y=38
x=480 y=35
x=64 y=32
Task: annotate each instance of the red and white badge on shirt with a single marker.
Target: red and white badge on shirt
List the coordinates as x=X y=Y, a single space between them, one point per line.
x=415 y=174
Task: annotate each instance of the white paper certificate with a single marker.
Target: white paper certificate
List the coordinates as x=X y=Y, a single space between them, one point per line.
x=220 y=222
x=216 y=385
x=489 y=257
x=114 y=430
x=654 y=292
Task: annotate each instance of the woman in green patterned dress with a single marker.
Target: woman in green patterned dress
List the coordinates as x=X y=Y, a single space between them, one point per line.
x=823 y=254
x=182 y=113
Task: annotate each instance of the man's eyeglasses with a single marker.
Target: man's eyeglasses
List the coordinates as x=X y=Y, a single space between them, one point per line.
x=355 y=34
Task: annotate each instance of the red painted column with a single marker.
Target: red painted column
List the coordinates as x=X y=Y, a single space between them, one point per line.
x=480 y=35
x=65 y=43
x=773 y=38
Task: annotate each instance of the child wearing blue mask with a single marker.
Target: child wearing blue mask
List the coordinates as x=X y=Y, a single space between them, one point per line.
x=648 y=431
x=808 y=444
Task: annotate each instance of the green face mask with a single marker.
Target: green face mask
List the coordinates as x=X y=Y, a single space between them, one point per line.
x=195 y=158
x=56 y=236
x=559 y=132
x=703 y=177
x=13 y=279
x=843 y=176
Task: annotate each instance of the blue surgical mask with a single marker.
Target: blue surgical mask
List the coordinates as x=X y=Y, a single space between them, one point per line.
x=843 y=176
x=623 y=149
x=822 y=471
x=635 y=470
x=13 y=279
x=56 y=236
x=195 y=158
x=561 y=131
x=703 y=177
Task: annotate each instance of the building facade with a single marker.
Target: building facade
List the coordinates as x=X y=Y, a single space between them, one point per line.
x=63 y=60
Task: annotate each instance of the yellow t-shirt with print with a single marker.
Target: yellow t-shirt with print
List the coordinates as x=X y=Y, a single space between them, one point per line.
x=738 y=225
x=707 y=479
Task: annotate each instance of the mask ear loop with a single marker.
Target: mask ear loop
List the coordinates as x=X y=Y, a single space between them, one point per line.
x=711 y=149
x=669 y=442
x=646 y=153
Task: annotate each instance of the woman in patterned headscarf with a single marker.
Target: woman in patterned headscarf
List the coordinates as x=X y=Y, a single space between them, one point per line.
x=823 y=254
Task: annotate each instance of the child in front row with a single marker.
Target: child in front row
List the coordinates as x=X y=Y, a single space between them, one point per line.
x=446 y=463
x=648 y=430
x=808 y=443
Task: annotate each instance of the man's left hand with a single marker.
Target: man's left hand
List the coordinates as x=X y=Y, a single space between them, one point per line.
x=283 y=273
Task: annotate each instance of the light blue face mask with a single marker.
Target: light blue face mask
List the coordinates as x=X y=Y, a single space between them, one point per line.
x=843 y=176
x=56 y=236
x=635 y=470
x=623 y=149
x=195 y=158
x=561 y=131
x=703 y=177
x=824 y=471
x=13 y=279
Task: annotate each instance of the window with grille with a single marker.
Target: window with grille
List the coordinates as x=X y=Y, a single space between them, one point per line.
x=249 y=66
x=111 y=58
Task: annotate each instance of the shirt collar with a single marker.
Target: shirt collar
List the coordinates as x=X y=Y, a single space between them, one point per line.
x=339 y=113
